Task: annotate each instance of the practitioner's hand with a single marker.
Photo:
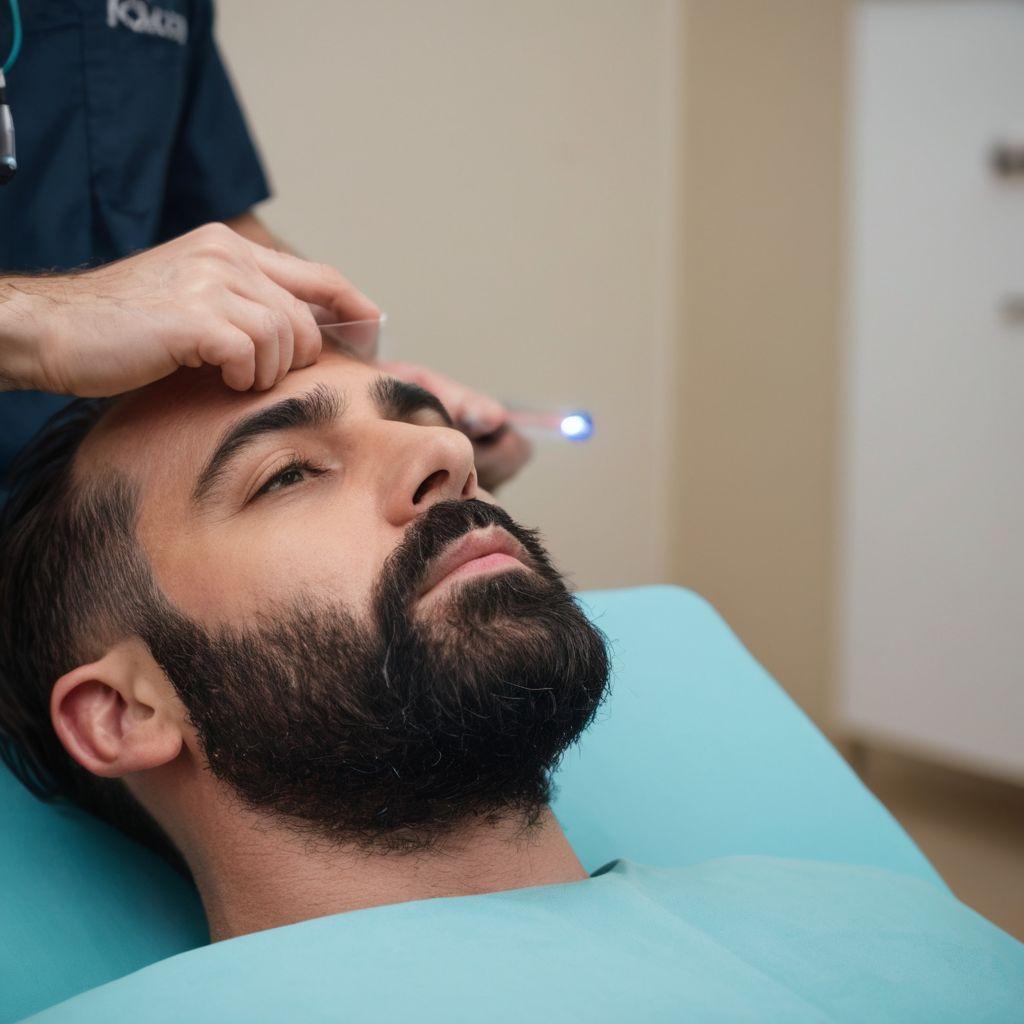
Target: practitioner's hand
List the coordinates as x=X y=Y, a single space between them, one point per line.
x=500 y=450
x=208 y=297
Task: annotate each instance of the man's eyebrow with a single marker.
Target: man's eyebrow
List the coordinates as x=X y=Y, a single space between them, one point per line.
x=316 y=408
x=398 y=399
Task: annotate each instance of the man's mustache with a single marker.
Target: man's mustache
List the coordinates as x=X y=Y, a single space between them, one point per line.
x=442 y=524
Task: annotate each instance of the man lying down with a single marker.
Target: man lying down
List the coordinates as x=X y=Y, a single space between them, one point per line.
x=288 y=640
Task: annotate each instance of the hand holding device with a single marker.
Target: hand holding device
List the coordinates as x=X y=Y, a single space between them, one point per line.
x=208 y=297
x=481 y=418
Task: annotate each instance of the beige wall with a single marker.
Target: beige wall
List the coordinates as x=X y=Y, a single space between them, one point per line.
x=762 y=173
x=500 y=177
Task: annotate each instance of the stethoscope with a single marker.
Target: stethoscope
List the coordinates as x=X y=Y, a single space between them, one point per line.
x=8 y=156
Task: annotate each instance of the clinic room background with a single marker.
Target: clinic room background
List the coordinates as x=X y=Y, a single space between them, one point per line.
x=713 y=224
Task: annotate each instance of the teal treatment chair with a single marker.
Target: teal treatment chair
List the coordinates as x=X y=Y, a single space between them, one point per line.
x=697 y=756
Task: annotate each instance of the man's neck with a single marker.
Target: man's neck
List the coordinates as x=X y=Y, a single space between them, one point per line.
x=255 y=877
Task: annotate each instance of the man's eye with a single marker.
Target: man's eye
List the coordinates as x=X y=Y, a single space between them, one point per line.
x=292 y=474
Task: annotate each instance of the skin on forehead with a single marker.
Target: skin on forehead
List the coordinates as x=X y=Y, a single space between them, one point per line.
x=173 y=424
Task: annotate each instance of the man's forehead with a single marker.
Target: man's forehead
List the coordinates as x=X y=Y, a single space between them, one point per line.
x=187 y=413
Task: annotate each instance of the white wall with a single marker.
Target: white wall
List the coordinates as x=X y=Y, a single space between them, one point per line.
x=933 y=562
x=500 y=177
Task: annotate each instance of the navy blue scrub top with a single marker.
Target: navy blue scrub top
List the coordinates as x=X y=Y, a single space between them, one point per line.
x=129 y=133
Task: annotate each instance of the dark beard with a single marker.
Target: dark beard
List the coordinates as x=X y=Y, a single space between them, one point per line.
x=390 y=736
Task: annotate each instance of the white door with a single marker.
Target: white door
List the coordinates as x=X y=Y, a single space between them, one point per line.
x=932 y=566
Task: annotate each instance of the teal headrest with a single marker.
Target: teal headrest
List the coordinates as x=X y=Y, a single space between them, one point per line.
x=697 y=754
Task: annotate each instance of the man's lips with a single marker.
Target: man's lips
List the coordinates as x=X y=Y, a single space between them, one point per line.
x=490 y=549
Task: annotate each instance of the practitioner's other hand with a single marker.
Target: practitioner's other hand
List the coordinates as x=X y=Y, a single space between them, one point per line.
x=499 y=449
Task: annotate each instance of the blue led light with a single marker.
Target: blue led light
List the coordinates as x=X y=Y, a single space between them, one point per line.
x=577 y=426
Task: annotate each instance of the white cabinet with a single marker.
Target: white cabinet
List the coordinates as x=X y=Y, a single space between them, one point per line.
x=932 y=497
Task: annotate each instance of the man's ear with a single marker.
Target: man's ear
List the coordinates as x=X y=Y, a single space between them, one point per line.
x=117 y=715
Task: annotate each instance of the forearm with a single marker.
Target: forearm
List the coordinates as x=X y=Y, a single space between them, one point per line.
x=24 y=328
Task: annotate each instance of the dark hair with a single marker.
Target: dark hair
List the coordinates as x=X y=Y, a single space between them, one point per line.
x=72 y=580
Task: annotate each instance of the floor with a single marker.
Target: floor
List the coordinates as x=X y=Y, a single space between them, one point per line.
x=971 y=828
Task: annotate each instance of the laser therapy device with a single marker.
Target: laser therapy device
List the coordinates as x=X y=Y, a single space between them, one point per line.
x=364 y=338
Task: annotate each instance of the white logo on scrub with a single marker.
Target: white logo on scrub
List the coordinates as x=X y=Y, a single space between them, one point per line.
x=153 y=21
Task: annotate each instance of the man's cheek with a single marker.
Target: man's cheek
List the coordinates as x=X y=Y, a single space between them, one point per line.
x=229 y=579
x=335 y=578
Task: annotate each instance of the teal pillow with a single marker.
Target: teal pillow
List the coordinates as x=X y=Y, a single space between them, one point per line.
x=697 y=754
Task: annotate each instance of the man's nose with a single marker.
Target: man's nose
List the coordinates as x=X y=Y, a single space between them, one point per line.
x=433 y=464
